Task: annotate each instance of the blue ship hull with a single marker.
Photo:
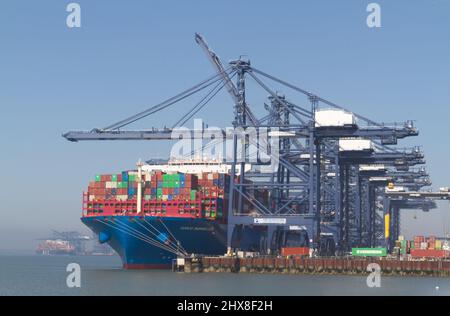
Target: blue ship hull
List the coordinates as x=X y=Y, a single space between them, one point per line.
x=134 y=238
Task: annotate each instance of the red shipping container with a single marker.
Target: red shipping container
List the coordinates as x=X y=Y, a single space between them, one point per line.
x=295 y=251
x=430 y=253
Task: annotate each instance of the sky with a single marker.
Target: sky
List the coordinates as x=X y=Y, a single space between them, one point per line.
x=127 y=56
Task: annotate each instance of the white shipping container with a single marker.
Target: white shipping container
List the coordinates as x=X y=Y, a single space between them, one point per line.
x=375 y=167
x=333 y=117
x=396 y=189
x=108 y=184
x=113 y=185
x=91 y=197
x=355 y=144
x=423 y=245
x=122 y=197
x=180 y=262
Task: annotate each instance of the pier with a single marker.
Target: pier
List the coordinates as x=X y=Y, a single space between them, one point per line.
x=313 y=266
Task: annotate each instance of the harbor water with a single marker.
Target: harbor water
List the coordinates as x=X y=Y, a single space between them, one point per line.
x=103 y=275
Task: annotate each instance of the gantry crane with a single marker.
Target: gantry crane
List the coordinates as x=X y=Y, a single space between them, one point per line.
x=311 y=181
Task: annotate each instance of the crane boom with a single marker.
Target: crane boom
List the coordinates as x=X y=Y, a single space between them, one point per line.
x=217 y=64
x=231 y=87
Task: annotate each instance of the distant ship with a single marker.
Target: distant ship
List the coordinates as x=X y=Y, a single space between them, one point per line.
x=55 y=247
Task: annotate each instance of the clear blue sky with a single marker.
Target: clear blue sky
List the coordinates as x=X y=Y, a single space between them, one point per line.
x=129 y=55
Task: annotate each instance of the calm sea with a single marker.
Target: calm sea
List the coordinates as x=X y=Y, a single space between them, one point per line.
x=102 y=275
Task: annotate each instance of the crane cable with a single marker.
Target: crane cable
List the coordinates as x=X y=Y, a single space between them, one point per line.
x=212 y=93
x=198 y=87
x=152 y=239
x=311 y=95
x=135 y=236
x=140 y=236
x=176 y=245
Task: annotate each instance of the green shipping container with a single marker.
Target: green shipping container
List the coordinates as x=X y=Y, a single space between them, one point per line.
x=98 y=178
x=132 y=178
x=114 y=178
x=122 y=185
x=369 y=252
x=193 y=194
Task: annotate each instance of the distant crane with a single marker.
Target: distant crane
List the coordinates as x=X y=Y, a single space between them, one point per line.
x=76 y=239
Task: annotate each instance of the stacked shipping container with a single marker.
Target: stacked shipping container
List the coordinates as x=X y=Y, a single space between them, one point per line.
x=422 y=247
x=202 y=194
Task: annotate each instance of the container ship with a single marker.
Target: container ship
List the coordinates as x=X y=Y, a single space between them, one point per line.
x=151 y=215
x=55 y=247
